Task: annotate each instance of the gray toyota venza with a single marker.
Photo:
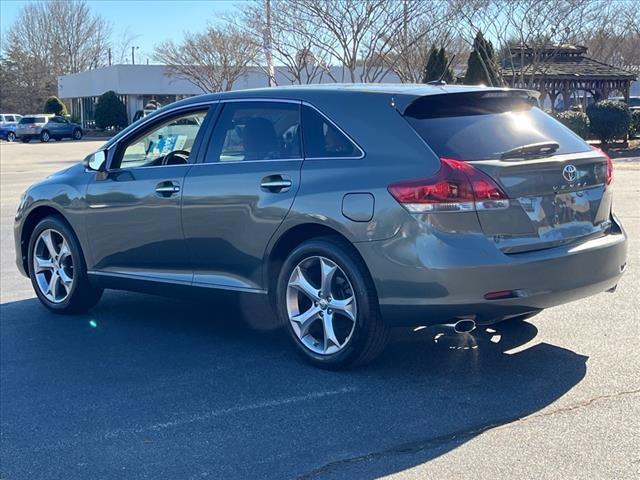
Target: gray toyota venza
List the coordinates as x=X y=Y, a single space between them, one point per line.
x=354 y=208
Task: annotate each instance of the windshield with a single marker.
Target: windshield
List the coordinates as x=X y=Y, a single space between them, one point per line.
x=484 y=125
x=24 y=120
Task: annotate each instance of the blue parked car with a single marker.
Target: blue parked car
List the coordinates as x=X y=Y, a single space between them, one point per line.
x=46 y=127
x=8 y=122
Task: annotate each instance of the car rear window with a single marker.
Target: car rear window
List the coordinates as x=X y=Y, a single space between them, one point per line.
x=322 y=139
x=24 y=120
x=483 y=125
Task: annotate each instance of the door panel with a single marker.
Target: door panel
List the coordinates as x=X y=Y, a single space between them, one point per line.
x=133 y=217
x=135 y=229
x=234 y=201
x=229 y=218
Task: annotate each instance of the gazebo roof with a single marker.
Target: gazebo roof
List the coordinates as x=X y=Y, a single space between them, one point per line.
x=562 y=62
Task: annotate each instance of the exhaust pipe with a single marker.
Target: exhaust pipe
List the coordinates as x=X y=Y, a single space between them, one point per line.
x=461 y=326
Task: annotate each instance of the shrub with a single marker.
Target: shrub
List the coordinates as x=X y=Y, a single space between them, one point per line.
x=634 y=129
x=54 y=105
x=576 y=121
x=110 y=111
x=609 y=120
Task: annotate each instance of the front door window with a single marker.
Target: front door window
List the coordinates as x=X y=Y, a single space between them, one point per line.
x=169 y=143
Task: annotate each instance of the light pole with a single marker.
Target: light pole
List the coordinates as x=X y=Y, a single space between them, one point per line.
x=268 y=46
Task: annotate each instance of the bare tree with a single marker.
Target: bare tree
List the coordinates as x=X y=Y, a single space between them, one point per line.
x=212 y=60
x=435 y=26
x=66 y=36
x=49 y=39
x=291 y=40
x=122 y=48
x=359 y=35
x=613 y=36
x=522 y=29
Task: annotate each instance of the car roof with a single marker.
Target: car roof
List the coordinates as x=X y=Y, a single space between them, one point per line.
x=404 y=92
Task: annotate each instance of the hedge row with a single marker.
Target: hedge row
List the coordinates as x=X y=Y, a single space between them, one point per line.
x=606 y=120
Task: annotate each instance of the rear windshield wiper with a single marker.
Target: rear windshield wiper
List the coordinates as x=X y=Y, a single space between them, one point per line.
x=532 y=149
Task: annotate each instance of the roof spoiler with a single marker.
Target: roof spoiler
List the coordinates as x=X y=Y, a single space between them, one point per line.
x=402 y=102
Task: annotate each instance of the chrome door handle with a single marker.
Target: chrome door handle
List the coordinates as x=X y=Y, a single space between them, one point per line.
x=166 y=189
x=275 y=183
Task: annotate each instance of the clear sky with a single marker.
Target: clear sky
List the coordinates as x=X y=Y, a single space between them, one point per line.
x=152 y=20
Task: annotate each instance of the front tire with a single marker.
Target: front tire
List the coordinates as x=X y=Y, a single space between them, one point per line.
x=77 y=134
x=45 y=137
x=57 y=268
x=327 y=300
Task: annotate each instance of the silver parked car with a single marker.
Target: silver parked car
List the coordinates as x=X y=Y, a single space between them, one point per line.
x=46 y=127
x=354 y=208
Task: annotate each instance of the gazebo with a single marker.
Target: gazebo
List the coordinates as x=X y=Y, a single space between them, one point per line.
x=564 y=70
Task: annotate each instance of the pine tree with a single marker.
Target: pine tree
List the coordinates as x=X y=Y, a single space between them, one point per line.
x=436 y=65
x=482 y=66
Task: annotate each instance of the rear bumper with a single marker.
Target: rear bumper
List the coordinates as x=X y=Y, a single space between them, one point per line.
x=428 y=279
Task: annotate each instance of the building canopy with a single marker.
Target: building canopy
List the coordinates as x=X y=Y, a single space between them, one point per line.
x=564 y=70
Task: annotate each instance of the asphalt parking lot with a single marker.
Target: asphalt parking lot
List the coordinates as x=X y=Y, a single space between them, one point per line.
x=148 y=387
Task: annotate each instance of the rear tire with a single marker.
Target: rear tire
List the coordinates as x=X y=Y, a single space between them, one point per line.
x=11 y=137
x=57 y=268
x=347 y=344
x=25 y=139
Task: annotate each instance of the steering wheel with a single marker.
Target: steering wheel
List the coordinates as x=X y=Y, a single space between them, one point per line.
x=177 y=157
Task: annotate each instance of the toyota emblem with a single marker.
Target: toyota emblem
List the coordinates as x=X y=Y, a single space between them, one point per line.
x=570 y=172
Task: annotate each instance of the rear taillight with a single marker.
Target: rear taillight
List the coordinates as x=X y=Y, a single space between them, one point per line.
x=609 y=165
x=456 y=187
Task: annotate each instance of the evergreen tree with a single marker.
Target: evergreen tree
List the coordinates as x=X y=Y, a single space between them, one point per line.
x=54 y=105
x=110 y=111
x=482 y=66
x=436 y=65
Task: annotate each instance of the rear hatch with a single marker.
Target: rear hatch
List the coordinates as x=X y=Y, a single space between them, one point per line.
x=30 y=124
x=557 y=185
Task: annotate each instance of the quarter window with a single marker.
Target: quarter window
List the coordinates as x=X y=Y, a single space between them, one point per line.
x=323 y=140
x=256 y=131
x=169 y=143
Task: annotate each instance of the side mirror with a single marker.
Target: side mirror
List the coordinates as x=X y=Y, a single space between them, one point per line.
x=96 y=162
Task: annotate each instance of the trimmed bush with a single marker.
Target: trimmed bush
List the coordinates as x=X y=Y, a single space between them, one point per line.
x=110 y=111
x=576 y=121
x=609 y=120
x=54 y=105
x=634 y=129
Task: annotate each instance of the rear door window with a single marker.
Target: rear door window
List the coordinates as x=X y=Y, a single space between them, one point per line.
x=250 y=131
x=483 y=125
x=322 y=139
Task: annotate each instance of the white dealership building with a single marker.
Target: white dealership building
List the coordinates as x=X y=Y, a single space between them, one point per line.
x=136 y=85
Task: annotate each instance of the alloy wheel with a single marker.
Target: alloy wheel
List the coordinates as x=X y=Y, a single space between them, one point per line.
x=11 y=137
x=77 y=134
x=53 y=266
x=321 y=305
x=45 y=137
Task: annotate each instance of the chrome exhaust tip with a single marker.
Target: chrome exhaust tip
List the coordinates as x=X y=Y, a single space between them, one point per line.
x=466 y=325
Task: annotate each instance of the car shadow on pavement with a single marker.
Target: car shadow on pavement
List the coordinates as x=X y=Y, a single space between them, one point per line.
x=168 y=388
